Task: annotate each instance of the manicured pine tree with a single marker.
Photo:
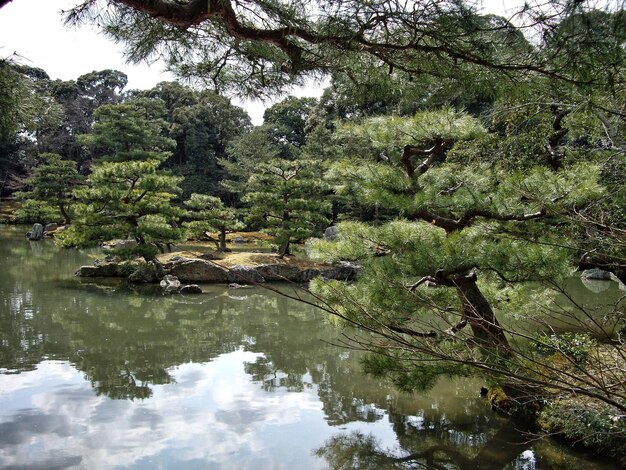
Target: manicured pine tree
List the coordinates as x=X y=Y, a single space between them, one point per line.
x=207 y=214
x=472 y=228
x=51 y=186
x=287 y=199
x=127 y=194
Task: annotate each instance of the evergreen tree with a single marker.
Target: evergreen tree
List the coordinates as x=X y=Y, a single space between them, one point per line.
x=287 y=198
x=267 y=47
x=208 y=213
x=127 y=194
x=473 y=231
x=51 y=185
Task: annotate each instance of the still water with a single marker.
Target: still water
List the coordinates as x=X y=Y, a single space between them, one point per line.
x=102 y=375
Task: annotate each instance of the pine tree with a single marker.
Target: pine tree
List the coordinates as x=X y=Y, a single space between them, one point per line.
x=287 y=198
x=127 y=194
x=208 y=213
x=473 y=229
x=51 y=185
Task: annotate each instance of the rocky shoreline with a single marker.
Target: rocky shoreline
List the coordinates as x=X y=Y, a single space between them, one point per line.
x=232 y=268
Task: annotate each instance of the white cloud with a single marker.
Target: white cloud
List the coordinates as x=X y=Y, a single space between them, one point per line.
x=212 y=413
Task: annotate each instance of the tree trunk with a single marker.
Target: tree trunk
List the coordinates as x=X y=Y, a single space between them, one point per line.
x=222 y=237
x=485 y=327
x=284 y=249
x=65 y=215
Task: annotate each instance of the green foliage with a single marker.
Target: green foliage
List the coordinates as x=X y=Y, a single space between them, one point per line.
x=466 y=215
x=244 y=154
x=9 y=100
x=134 y=130
x=203 y=129
x=575 y=346
x=31 y=211
x=51 y=184
x=265 y=49
x=389 y=134
x=208 y=213
x=288 y=119
x=598 y=426
x=418 y=377
x=127 y=194
x=286 y=197
x=282 y=136
x=131 y=252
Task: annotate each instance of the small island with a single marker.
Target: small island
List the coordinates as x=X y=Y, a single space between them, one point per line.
x=238 y=267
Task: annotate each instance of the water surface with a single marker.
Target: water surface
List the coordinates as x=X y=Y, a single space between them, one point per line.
x=104 y=375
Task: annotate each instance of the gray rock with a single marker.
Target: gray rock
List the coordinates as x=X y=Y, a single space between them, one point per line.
x=342 y=270
x=170 y=283
x=50 y=227
x=279 y=272
x=331 y=233
x=307 y=274
x=197 y=270
x=36 y=233
x=100 y=270
x=239 y=240
x=190 y=289
x=596 y=274
x=246 y=274
x=145 y=273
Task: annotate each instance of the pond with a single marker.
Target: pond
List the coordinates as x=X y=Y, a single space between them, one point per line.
x=103 y=375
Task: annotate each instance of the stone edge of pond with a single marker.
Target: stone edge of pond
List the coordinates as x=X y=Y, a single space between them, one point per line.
x=258 y=269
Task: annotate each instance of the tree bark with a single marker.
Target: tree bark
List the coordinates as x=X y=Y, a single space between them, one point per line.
x=65 y=215
x=284 y=249
x=222 y=237
x=485 y=327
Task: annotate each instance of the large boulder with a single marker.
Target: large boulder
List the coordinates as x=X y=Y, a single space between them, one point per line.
x=197 y=270
x=331 y=233
x=36 y=232
x=99 y=270
x=342 y=270
x=279 y=272
x=50 y=227
x=145 y=273
x=245 y=274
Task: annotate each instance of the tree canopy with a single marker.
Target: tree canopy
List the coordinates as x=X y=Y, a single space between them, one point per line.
x=262 y=47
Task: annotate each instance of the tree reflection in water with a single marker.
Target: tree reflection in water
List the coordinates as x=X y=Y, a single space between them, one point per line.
x=359 y=451
x=127 y=341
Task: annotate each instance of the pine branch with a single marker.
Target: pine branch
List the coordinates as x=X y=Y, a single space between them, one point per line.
x=410 y=332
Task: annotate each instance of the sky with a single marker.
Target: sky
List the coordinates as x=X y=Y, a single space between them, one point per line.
x=34 y=30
